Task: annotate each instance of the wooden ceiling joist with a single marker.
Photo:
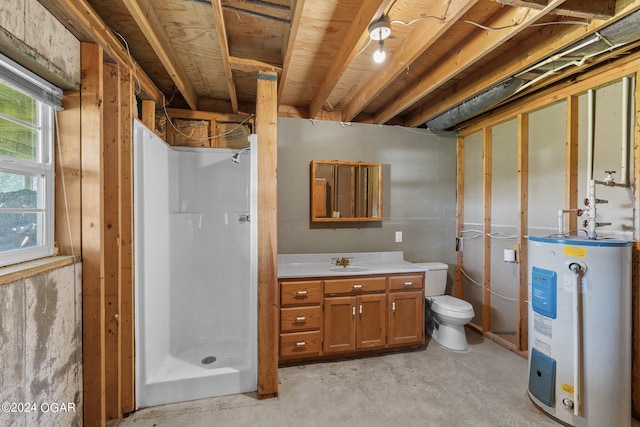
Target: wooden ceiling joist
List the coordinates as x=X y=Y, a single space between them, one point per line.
x=590 y=9
x=251 y=65
x=420 y=39
x=354 y=38
x=145 y=16
x=82 y=21
x=221 y=32
x=289 y=41
x=473 y=50
x=488 y=78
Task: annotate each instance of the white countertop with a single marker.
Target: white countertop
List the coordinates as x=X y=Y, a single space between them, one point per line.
x=361 y=263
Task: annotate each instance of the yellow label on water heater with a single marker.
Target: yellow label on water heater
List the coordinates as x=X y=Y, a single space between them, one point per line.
x=575 y=251
x=567 y=388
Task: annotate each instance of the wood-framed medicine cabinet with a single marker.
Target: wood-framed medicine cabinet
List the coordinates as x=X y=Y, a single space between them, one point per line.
x=345 y=191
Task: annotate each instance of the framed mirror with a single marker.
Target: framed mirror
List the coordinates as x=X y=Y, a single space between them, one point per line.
x=345 y=191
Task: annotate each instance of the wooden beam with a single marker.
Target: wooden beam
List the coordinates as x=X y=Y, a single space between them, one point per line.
x=145 y=16
x=148 y=116
x=571 y=168
x=290 y=43
x=221 y=31
x=251 y=65
x=111 y=233
x=477 y=47
x=489 y=77
x=93 y=264
x=126 y=262
x=459 y=278
x=68 y=190
x=267 y=129
x=486 y=228
x=522 y=330
x=635 y=274
x=353 y=39
x=593 y=9
x=79 y=18
x=421 y=38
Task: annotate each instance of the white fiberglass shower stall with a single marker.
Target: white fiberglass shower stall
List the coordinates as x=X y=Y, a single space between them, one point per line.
x=196 y=271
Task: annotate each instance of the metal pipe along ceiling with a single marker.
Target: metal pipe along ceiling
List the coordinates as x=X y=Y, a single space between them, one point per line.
x=624 y=31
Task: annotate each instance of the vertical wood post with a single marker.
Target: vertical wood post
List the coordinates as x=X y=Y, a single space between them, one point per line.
x=267 y=130
x=486 y=256
x=111 y=185
x=149 y=114
x=522 y=330
x=571 y=169
x=635 y=276
x=459 y=213
x=93 y=265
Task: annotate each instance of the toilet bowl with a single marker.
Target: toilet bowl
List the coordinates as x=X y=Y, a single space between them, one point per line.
x=445 y=315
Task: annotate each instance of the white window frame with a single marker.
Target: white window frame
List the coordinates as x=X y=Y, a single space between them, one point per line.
x=20 y=79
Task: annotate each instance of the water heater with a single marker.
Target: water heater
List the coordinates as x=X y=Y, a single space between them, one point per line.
x=579 y=294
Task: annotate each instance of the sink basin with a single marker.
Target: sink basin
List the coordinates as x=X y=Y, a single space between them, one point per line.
x=350 y=268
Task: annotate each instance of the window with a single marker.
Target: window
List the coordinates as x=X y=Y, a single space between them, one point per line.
x=27 y=106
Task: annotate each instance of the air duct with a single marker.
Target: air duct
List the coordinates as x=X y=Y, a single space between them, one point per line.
x=624 y=31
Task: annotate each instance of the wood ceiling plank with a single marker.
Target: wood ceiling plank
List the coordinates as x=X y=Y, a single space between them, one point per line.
x=419 y=40
x=472 y=51
x=486 y=79
x=150 y=25
x=83 y=22
x=251 y=65
x=354 y=38
x=218 y=17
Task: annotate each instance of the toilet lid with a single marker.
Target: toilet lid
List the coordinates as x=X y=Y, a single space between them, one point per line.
x=450 y=303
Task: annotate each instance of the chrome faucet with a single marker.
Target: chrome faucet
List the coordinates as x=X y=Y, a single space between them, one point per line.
x=343 y=261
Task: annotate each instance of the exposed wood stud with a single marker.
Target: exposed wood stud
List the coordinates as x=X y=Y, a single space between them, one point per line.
x=267 y=129
x=149 y=114
x=571 y=168
x=290 y=39
x=486 y=256
x=459 y=280
x=221 y=32
x=635 y=272
x=522 y=330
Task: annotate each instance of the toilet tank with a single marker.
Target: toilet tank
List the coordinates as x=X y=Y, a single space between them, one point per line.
x=435 y=278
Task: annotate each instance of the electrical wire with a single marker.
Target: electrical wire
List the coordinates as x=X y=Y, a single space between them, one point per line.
x=481 y=285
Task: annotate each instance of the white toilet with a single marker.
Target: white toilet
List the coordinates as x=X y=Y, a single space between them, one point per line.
x=445 y=315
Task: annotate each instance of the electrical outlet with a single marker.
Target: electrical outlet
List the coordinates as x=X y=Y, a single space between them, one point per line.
x=398 y=236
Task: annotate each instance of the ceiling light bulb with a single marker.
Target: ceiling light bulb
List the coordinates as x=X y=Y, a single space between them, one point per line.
x=379 y=55
x=381 y=29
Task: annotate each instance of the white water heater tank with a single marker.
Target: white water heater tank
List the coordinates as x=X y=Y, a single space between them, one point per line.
x=580 y=342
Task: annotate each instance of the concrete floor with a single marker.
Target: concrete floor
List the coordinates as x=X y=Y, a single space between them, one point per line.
x=485 y=385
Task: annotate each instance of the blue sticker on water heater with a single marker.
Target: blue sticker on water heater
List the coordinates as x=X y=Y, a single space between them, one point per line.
x=544 y=292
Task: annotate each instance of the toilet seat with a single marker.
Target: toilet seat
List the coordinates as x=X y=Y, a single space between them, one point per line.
x=450 y=306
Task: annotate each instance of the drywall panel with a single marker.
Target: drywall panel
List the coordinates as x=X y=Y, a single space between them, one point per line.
x=608 y=156
x=547 y=134
x=419 y=189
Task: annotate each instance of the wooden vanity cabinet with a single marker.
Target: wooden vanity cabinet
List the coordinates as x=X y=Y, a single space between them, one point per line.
x=347 y=315
x=406 y=310
x=300 y=318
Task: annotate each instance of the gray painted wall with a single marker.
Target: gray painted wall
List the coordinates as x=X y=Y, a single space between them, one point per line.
x=419 y=188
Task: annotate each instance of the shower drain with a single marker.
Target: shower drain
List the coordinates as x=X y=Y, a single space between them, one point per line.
x=208 y=360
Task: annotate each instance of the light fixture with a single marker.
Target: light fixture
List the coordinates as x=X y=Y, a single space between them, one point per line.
x=381 y=29
x=378 y=31
x=379 y=55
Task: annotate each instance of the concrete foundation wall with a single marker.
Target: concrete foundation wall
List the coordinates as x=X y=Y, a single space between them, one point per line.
x=41 y=349
x=419 y=189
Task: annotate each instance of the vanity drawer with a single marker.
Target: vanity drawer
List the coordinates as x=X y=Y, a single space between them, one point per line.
x=355 y=285
x=300 y=292
x=300 y=318
x=300 y=344
x=406 y=282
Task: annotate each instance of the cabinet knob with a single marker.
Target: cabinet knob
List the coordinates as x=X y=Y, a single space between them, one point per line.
x=408 y=283
x=301 y=343
x=393 y=306
x=302 y=293
x=353 y=310
x=301 y=318
x=357 y=286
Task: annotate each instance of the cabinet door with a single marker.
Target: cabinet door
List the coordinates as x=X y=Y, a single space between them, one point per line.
x=339 y=324
x=406 y=318
x=371 y=330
